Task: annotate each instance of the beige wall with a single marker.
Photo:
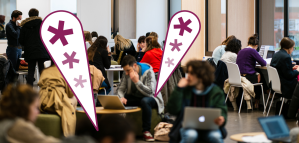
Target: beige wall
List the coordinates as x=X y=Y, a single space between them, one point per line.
x=266 y=35
x=241 y=19
x=127 y=18
x=214 y=27
x=197 y=51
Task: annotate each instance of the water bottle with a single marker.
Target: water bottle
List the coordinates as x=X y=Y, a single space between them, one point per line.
x=204 y=58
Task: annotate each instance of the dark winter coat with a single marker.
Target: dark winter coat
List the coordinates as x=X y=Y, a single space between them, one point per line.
x=30 y=39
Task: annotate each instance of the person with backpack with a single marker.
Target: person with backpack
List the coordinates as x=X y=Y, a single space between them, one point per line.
x=34 y=50
x=2 y=29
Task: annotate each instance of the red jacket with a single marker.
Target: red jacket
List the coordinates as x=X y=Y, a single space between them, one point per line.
x=153 y=57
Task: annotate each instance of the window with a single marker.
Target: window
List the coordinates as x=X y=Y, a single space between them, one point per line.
x=6 y=8
x=294 y=26
x=278 y=23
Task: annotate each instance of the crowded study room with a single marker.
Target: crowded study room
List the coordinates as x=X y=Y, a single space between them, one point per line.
x=178 y=71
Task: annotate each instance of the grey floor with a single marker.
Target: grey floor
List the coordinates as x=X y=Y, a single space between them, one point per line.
x=244 y=122
x=237 y=123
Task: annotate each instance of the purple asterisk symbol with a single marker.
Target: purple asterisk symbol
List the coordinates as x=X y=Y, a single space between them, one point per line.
x=183 y=26
x=60 y=33
x=80 y=81
x=169 y=62
x=70 y=59
x=175 y=45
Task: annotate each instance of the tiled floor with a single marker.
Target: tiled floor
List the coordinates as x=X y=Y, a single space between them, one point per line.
x=244 y=122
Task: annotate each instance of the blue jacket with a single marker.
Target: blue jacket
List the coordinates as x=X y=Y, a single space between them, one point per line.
x=12 y=34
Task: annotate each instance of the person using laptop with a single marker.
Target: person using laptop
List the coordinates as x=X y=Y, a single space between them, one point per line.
x=137 y=88
x=246 y=60
x=283 y=64
x=197 y=90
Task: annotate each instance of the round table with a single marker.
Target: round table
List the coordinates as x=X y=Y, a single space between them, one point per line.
x=238 y=137
x=101 y=110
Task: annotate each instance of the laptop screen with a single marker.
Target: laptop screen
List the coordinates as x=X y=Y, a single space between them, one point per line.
x=270 y=54
x=274 y=127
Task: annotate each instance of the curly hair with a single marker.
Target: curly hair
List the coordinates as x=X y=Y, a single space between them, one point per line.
x=234 y=46
x=203 y=70
x=101 y=42
x=16 y=100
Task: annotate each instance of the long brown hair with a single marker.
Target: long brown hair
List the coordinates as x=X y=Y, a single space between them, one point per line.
x=228 y=39
x=101 y=42
x=122 y=42
x=151 y=43
x=16 y=100
x=88 y=37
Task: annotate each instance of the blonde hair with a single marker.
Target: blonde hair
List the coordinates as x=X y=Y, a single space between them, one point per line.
x=87 y=36
x=228 y=39
x=122 y=42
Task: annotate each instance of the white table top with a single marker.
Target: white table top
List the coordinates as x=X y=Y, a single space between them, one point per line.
x=114 y=69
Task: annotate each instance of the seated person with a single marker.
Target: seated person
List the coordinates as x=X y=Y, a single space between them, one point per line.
x=57 y=98
x=18 y=112
x=137 y=88
x=141 y=46
x=94 y=36
x=99 y=55
x=123 y=47
x=197 y=90
x=283 y=64
x=220 y=50
x=112 y=129
x=153 y=53
x=246 y=60
x=231 y=50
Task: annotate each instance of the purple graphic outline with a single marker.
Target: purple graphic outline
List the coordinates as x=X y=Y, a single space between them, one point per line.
x=156 y=93
x=70 y=59
x=60 y=33
x=40 y=31
x=183 y=26
x=175 y=45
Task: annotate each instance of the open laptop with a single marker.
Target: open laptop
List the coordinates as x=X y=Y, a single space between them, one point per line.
x=275 y=128
x=270 y=54
x=201 y=118
x=112 y=102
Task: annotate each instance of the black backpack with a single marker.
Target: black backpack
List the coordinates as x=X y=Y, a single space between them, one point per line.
x=7 y=72
x=2 y=32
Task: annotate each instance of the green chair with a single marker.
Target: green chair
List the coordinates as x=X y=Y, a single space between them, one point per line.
x=50 y=125
x=137 y=119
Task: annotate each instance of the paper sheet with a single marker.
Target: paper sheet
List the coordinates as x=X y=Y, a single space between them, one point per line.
x=256 y=139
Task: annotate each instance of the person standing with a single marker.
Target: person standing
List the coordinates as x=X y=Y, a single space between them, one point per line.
x=34 y=50
x=14 y=48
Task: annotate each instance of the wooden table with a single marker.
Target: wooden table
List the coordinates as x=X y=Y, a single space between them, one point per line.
x=110 y=76
x=238 y=137
x=101 y=110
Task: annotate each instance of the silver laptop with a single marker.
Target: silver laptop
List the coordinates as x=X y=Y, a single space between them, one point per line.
x=112 y=102
x=275 y=128
x=201 y=118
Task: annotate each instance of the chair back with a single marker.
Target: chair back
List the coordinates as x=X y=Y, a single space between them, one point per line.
x=234 y=76
x=274 y=79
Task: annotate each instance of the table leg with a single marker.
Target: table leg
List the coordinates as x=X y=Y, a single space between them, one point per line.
x=110 y=79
